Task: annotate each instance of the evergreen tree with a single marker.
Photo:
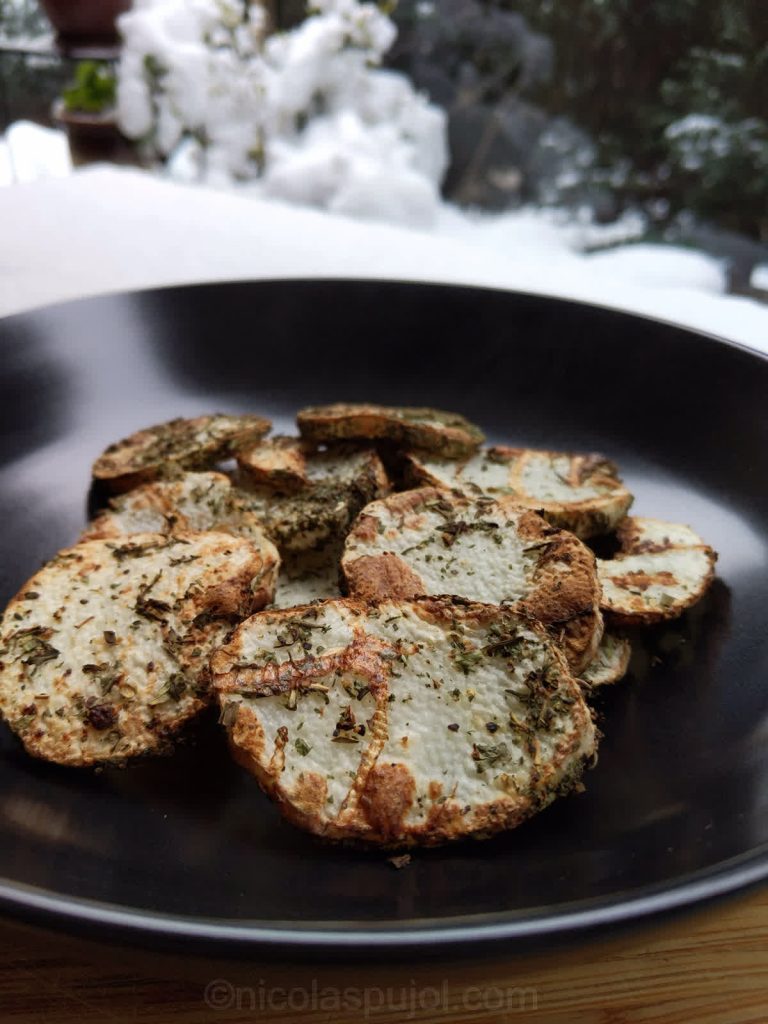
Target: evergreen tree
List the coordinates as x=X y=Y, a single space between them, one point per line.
x=673 y=94
x=659 y=105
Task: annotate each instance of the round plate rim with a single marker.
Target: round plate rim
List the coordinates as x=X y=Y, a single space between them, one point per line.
x=709 y=336
x=694 y=889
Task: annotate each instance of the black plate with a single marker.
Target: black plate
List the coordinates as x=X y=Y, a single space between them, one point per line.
x=188 y=848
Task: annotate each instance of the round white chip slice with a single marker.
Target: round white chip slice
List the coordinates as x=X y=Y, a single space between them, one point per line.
x=414 y=722
x=433 y=542
x=434 y=430
x=103 y=653
x=662 y=569
x=191 y=501
x=577 y=492
x=178 y=444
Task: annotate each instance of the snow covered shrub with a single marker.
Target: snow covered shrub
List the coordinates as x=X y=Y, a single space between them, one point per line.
x=721 y=167
x=307 y=114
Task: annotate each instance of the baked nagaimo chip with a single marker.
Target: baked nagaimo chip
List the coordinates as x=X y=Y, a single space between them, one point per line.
x=104 y=651
x=288 y=464
x=284 y=464
x=610 y=663
x=340 y=483
x=307 y=576
x=661 y=569
x=414 y=722
x=581 y=493
x=433 y=542
x=179 y=444
x=192 y=501
x=446 y=433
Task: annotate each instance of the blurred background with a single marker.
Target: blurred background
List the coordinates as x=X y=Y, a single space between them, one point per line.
x=599 y=123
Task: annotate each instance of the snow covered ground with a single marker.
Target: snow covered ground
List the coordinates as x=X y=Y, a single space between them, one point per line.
x=29 y=152
x=130 y=229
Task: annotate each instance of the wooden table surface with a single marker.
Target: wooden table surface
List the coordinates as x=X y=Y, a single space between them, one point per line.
x=709 y=967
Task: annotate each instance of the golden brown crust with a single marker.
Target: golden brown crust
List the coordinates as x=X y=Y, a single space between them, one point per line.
x=375 y=577
x=565 y=592
x=165 y=448
x=378 y=778
x=431 y=429
x=386 y=798
x=386 y=557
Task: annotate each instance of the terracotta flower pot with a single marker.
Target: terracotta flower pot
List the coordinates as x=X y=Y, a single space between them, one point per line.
x=95 y=138
x=83 y=23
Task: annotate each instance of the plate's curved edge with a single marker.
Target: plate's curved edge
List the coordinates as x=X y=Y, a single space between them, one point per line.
x=42 y=907
x=397 y=282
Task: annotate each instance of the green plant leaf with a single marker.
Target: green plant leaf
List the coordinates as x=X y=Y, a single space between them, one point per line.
x=93 y=90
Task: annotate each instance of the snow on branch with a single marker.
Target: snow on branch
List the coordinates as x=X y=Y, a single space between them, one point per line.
x=308 y=114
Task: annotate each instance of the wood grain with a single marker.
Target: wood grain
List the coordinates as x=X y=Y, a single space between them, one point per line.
x=710 y=967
